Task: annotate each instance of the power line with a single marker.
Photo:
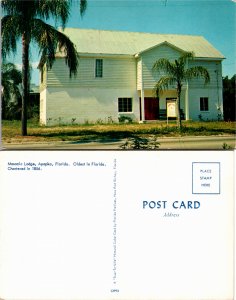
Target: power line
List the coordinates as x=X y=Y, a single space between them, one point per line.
x=170 y=3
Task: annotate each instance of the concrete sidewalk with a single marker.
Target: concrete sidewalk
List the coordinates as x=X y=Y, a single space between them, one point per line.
x=180 y=143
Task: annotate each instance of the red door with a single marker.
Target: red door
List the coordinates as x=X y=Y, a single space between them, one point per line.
x=151 y=108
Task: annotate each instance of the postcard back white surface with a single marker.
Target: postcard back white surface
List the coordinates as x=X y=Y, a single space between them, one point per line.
x=116 y=225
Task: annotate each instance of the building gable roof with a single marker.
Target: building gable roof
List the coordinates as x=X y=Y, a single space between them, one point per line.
x=158 y=45
x=91 y=41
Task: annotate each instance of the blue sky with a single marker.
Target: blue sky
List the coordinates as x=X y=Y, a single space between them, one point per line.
x=213 y=19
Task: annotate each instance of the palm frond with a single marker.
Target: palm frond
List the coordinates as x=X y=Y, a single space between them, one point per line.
x=11 y=31
x=6 y=90
x=198 y=72
x=181 y=63
x=163 y=64
x=185 y=57
x=163 y=84
x=83 y=6
x=29 y=12
x=9 y=90
x=23 y=8
x=57 y=9
x=11 y=7
x=10 y=72
x=10 y=81
x=49 y=41
x=29 y=9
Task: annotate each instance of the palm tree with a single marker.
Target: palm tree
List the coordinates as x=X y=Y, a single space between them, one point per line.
x=176 y=74
x=11 y=89
x=24 y=19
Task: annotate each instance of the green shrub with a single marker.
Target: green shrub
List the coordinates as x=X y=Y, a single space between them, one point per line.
x=125 y=119
x=139 y=143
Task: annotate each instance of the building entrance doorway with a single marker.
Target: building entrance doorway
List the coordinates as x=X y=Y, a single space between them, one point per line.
x=151 y=108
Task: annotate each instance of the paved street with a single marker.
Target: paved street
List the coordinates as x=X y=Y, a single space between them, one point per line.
x=203 y=142
x=212 y=142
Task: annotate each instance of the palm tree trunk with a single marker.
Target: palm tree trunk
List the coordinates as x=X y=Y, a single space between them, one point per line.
x=25 y=82
x=178 y=107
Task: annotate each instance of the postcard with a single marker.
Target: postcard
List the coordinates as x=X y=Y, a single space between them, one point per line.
x=86 y=218
x=116 y=225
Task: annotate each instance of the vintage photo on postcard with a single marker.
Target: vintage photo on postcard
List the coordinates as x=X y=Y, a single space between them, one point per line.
x=114 y=74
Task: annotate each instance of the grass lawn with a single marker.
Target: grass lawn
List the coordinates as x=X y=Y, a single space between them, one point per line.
x=11 y=131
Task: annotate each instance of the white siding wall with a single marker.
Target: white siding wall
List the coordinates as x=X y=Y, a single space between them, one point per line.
x=86 y=104
x=215 y=71
x=86 y=98
x=214 y=96
x=214 y=99
x=150 y=78
x=43 y=111
x=196 y=87
x=117 y=73
x=213 y=91
x=149 y=58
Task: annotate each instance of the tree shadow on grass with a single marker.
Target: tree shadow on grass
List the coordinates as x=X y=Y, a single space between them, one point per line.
x=88 y=136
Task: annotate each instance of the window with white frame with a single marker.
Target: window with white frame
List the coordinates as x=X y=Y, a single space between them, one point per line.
x=204 y=105
x=124 y=104
x=99 y=68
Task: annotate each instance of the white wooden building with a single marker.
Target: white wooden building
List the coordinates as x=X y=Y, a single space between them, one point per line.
x=115 y=79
